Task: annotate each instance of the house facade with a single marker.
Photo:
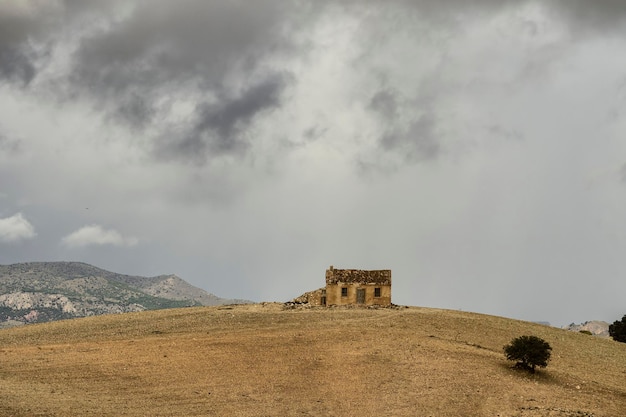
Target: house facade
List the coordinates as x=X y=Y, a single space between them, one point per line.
x=356 y=287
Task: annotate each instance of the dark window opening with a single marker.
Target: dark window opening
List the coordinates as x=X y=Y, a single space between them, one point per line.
x=344 y=291
x=376 y=292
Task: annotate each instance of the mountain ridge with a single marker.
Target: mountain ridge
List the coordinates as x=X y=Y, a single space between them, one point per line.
x=595 y=327
x=35 y=292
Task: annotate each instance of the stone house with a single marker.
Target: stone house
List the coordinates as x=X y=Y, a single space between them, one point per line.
x=352 y=287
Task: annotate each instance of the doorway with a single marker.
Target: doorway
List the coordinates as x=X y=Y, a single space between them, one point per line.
x=360 y=295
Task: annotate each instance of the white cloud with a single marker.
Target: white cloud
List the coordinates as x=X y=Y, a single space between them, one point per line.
x=16 y=228
x=96 y=235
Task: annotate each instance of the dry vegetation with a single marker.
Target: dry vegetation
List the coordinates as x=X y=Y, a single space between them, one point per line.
x=261 y=360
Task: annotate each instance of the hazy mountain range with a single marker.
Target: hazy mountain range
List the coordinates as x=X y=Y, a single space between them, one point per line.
x=45 y=291
x=595 y=327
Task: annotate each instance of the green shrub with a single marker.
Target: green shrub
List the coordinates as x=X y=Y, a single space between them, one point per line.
x=529 y=352
x=617 y=330
x=585 y=332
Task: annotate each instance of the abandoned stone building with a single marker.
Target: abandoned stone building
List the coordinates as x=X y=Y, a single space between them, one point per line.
x=352 y=287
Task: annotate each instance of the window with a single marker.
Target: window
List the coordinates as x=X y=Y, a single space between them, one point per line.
x=344 y=291
x=376 y=292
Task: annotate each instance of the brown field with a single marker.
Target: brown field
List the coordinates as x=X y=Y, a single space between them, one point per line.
x=261 y=360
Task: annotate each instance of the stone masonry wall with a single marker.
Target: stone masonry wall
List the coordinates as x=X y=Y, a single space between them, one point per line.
x=344 y=285
x=336 y=276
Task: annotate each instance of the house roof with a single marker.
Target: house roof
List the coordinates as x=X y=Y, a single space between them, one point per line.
x=358 y=276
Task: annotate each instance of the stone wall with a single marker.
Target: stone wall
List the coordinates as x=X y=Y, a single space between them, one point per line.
x=351 y=287
x=314 y=298
x=358 y=287
x=336 y=276
x=334 y=294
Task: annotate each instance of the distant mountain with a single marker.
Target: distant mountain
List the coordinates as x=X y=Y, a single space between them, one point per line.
x=46 y=291
x=595 y=327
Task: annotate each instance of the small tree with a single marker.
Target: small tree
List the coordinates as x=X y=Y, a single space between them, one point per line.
x=617 y=330
x=529 y=352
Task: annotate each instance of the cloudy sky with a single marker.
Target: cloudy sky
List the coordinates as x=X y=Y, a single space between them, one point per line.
x=476 y=148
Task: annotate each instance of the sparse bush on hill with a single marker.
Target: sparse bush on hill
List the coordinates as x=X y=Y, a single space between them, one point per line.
x=585 y=332
x=617 y=330
x=529 y=352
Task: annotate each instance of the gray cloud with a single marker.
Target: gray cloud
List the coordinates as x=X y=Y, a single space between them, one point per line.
x=220 y=128
x=230 y=115
x=165 y=50
x=385 y=103
x=314 y=132
x=135 y=60
x=8 y=144
x=598 y=16
x=499 y=131
x=577 y=14
x=416 y=140
x=135 y=110
x=417 y=143
x=16 y=65
x=21 y=27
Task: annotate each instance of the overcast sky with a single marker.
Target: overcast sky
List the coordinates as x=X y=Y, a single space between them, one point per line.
x=475 y=148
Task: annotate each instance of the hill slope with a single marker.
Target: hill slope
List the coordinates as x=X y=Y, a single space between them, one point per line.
x=262 y=360
x=45 y=291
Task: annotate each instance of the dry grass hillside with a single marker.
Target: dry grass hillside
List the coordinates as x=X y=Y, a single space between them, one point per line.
x=261 y=360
